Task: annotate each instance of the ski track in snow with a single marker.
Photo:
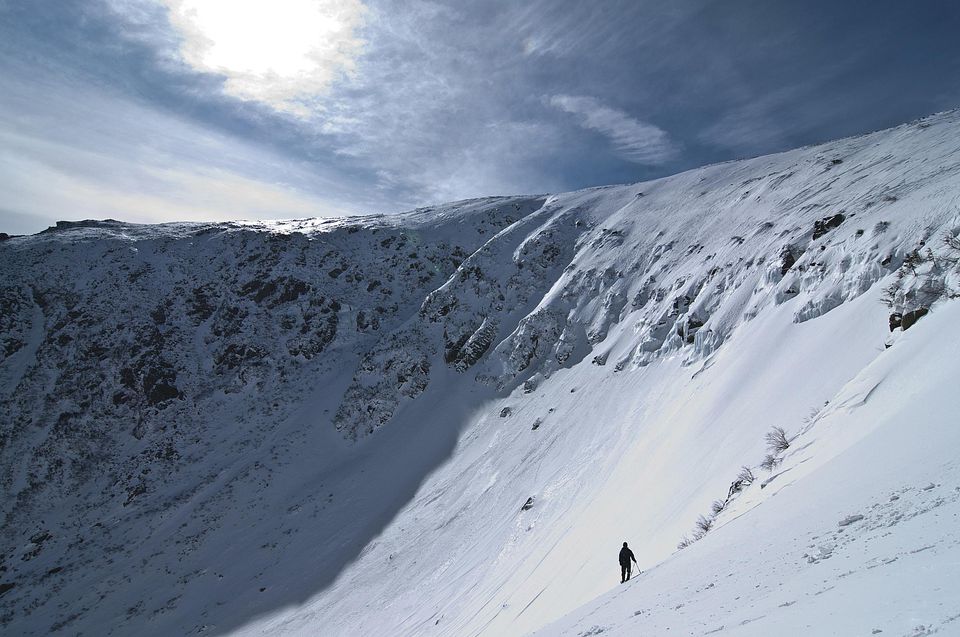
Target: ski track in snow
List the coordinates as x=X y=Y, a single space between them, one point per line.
x=335 y=426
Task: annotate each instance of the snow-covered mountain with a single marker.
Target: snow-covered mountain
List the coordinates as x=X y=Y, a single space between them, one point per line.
x=446 y=422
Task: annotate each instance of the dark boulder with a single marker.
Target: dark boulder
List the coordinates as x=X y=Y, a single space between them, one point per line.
x=909 y=318
x=825 y=225
x=787 y=259
x=694 y=323
x=895 y=320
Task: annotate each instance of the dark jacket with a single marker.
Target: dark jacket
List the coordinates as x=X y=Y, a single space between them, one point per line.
x=625 y=556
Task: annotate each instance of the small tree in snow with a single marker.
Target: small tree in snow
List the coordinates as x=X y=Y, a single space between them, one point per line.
x=777 y=441
x=770 y=462
x=703 y=525
x=717 y=506
x=745 y=477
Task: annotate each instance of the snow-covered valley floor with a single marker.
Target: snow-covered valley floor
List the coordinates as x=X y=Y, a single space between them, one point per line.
x=447 y=422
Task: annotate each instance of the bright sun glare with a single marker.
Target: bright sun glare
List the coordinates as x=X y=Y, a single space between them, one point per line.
x=281 y=52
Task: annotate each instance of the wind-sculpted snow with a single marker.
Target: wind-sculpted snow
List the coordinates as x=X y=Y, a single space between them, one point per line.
x=191 y=409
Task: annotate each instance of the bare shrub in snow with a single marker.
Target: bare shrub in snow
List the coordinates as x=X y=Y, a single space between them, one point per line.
x=777 y=441
x=811 y=415
x=745 y=477
x=770 y=462
x=701 y=528
x=717 y=506
x=952 y=244
x=703 y=525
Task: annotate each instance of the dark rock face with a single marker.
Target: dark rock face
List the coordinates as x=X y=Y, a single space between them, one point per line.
x=15 y=306
x=787 y=259
x=735 y=487
x=909 y=318
x=472 y=350
x=688 y=331
x=124 y=350
x=825 y=225
x=396 y=369
x=159 y=385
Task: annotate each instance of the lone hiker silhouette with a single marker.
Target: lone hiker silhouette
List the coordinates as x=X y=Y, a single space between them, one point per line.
x=625 y=556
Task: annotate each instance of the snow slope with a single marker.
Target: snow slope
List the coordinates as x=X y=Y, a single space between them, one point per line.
x=331 y=427
x=858 y=534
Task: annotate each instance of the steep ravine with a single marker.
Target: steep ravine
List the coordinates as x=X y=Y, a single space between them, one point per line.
x=207 y=425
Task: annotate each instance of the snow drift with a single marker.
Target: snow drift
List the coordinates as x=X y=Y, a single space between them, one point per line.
x=446 y=422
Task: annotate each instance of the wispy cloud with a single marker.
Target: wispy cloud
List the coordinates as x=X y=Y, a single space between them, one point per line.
x=431 y=114
x=150 y=191
x=635 y=140
x=138 y=164
x=175 y=194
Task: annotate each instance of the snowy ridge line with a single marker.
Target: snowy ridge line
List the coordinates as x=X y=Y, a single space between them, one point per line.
x=262 y=428
x=427 y=216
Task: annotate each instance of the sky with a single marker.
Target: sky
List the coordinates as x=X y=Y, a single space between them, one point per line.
x=162 y=110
